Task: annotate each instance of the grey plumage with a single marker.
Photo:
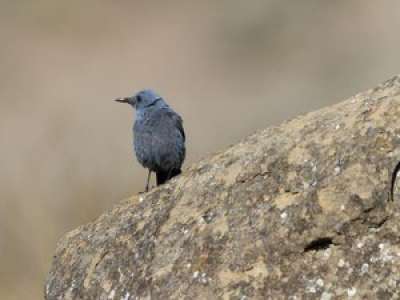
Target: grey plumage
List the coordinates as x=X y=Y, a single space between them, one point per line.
x=159 y=137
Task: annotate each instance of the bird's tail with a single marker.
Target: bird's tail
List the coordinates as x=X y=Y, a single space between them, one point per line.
x=164 y=176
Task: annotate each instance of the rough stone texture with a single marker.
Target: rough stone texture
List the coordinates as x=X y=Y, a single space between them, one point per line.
x=298 y=211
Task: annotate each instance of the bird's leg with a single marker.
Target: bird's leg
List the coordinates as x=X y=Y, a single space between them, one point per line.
x=148 y=181
x=169 y=174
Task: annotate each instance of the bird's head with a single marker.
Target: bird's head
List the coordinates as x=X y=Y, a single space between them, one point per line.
x=142 y=99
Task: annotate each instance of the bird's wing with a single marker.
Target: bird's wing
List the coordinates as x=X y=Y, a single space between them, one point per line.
x=179 y=125
x=178 y=122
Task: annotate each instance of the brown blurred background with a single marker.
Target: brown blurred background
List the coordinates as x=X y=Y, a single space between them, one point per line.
x=229 y=67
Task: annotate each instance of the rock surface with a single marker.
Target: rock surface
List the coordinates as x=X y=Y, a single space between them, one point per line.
x=298 y=211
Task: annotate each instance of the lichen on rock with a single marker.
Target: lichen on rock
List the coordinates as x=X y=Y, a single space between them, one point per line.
x=298 y=211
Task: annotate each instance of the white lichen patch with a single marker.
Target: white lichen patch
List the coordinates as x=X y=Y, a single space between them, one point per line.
x=126 y=297
x=327 y=253
x=386 y=254
x=47 y=288
x=337 y=170
x=314 y=285
x=311 y=289
x=320 y=282
x=121 y=275
x=204 y=278
x=111 y=295
x=326 y=296
x=351 y=292
x=364 y=269
x=392 y=283
x=341 y=263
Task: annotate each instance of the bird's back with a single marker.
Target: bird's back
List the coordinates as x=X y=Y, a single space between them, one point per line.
x=159 y=139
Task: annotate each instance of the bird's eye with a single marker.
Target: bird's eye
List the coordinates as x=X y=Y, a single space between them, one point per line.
x=138 y=98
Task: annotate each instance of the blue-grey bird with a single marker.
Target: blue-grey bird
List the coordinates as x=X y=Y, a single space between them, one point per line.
x=159 y=138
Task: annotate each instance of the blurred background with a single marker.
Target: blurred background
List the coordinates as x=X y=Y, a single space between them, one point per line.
x=228 y=67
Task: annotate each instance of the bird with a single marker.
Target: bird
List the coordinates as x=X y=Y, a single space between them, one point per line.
x=159 y=137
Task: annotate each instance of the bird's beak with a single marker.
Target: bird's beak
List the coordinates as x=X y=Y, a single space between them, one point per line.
x=123 y=100
x=130 y=100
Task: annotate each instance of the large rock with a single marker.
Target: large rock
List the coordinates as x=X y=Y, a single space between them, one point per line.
x=298 y=211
